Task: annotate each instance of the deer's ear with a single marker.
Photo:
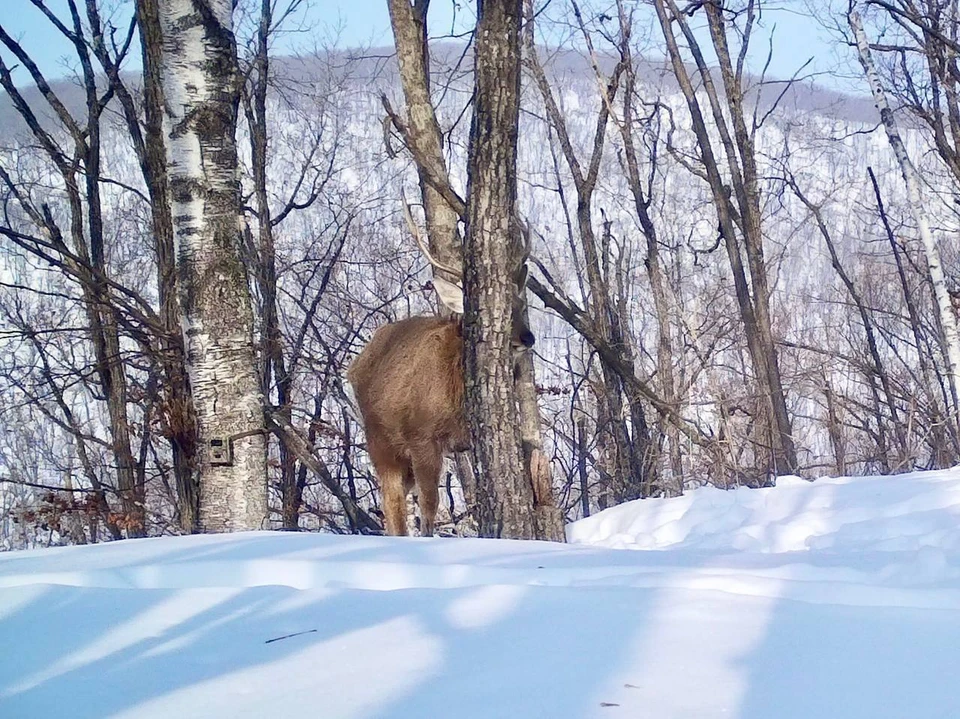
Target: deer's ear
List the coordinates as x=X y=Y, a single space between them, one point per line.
x=450 y=294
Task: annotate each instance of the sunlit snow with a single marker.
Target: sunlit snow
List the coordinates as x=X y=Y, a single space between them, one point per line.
x=837 y=598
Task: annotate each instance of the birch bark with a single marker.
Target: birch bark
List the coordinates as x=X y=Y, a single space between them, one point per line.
x=200 y=87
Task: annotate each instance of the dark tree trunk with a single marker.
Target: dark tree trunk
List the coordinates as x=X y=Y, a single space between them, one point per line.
x=504 y=492
x=835 y=430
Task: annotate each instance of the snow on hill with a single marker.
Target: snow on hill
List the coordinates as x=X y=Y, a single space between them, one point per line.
x=838 y=598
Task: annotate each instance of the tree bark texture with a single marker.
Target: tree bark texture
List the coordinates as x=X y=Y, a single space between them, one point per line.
x=179 y=414
x=200 y=85
x=422 y=131
x=505 y=494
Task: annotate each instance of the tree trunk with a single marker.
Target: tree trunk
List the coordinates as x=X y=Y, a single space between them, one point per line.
x=547 y=516
x=200 y=87
x=273 y=365
x=765 y=360
x=422 y=131
x=652 y=263
x=443 y=209
x=834 y=430
x=178 y=412
x=505 y=495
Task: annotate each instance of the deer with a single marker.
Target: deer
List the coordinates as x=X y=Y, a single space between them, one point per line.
x=409 y=386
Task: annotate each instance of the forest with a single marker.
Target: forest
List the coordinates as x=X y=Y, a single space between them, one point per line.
x=731 y=277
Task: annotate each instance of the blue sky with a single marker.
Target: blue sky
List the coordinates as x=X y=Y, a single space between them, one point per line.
x=350 y=23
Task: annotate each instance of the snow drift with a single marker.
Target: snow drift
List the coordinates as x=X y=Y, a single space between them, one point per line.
x=837 y=598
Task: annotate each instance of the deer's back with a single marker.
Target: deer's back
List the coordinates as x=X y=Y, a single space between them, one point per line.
x=408 y=381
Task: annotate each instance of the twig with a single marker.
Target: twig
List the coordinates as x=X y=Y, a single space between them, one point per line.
x=287 y=636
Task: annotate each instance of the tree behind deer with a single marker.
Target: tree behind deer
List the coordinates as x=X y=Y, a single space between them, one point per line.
x=409 y=385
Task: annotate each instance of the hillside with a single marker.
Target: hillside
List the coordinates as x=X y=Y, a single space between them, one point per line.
x=837 y=598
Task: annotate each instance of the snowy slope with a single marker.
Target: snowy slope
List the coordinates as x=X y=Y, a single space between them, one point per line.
x=839 y=598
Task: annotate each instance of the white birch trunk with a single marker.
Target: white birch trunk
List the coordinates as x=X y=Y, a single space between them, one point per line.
x=948 y=320
x=200 y=76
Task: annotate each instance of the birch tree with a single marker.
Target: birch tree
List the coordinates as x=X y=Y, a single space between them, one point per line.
x=146 y=136
x=201 y=90
x=947 y=316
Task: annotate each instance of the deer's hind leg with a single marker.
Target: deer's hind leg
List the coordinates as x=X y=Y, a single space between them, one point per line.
x=394 y=500
x=427 y=463
x=392 y=473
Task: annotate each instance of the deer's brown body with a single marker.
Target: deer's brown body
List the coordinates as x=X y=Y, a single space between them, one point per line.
x=408 y=382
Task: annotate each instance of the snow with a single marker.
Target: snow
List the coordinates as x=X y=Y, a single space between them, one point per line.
x=834 y=598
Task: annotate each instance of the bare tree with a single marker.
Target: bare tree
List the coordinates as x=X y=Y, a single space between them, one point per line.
x=145 y=129
x=877 y=371
x=642 y=194
x=444 y=208
x=947 y=315
x=80 y=250
x=945 y=441
x=491 y=249
x=737 y=207
x=632 y=455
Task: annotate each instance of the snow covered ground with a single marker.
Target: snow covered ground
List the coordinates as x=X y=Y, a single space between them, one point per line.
x=833 y=599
